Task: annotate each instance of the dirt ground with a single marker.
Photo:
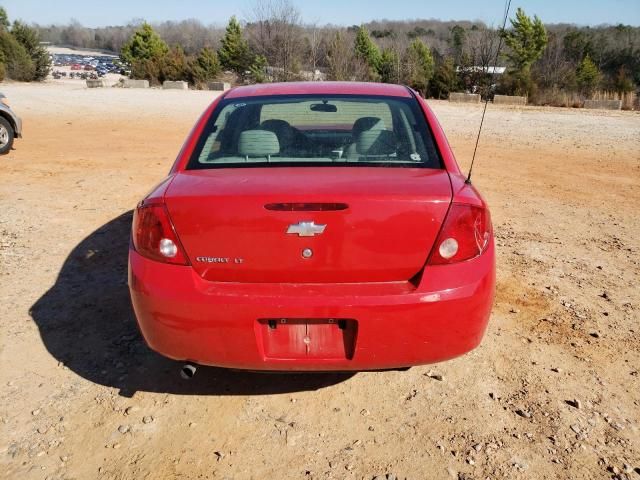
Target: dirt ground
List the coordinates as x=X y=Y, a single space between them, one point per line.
x=553 y=391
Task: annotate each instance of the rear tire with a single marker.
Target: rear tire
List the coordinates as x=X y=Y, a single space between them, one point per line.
x=6 y=136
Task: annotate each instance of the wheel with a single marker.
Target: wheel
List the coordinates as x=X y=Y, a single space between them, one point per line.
x=6 y=136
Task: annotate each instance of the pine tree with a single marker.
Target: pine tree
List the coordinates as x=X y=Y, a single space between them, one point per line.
x=145 y=44
x=205 y=67
x=4 y=19
x=367 y=51
x=28 y=37
x=234 y=53
x=445 y=79
x=587 y=76
x=526 y=40
x=172 y=65
x=458 y=40
x=419 y=66
x=17 y=63
x=22 y=57
x=257 y=69
x=388 y=66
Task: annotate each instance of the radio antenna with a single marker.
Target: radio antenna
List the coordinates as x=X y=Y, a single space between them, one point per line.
x=486 y=102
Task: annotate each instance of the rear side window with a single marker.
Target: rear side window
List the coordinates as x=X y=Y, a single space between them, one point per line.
x=311 y=130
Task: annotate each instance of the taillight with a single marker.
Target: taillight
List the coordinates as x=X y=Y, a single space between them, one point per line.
x=154 y=236
x=465 y=234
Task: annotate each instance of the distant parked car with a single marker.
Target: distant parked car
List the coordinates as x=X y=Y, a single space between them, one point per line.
x=10 y=126
x=76 y=66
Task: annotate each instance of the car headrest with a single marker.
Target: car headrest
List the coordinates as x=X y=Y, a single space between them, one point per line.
x=274 y=125
x=376 y=142
x=282 y=129
x=365 y=123
x=258 y=143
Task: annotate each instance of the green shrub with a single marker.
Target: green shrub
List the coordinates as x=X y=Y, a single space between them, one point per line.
x=445 y=79
x=18 y=63
x=257 y=69
x=517 y=83
x=3 y=68
x=387 y=66
x=146 y=69
x=173 y=66
x=30 y=40
x=204 y=67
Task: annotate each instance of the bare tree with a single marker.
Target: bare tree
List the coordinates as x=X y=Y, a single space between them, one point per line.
x=316 y=45
x=482 y=44
x=554 y=70
x=76 y=34
x=275 y=31
x=342 y=64
x=190 y=34
x=478 y=58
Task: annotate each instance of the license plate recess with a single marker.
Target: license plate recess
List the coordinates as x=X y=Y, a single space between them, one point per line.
x=315 y=338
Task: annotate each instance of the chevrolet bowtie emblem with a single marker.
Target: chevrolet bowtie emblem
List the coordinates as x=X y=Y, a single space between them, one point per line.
x=306 y=229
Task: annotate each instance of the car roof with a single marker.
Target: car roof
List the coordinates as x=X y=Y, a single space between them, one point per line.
x=320 y=88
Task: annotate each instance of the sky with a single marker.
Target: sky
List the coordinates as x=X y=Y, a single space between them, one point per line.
x=338 y=12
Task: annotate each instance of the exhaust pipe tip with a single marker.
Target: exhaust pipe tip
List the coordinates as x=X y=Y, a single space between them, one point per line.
x=187 y=371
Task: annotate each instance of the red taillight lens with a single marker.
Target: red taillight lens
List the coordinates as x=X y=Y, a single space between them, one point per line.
x=466 y=233
x=154 y=236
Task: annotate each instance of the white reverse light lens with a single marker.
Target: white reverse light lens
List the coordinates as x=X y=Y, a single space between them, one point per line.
x=448 y=248
x=168 y=248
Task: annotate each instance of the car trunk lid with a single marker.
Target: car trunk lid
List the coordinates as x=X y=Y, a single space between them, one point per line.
x=308 y=225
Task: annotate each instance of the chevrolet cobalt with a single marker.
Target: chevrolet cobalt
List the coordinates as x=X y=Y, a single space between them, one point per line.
x=313 y=226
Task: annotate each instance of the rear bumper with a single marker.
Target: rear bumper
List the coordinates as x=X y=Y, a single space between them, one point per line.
x=184 y=317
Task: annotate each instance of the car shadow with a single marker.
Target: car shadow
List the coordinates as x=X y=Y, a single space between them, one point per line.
x=86 y=322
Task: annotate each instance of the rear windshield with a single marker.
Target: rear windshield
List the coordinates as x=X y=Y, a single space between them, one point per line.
x=310 y=130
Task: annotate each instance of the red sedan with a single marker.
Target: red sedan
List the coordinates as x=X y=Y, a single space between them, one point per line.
x=313 y=226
